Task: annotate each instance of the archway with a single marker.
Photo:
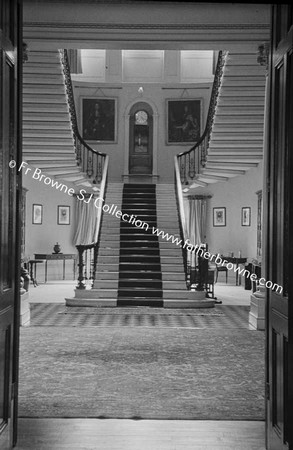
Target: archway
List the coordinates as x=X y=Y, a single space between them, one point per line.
x=141 y=147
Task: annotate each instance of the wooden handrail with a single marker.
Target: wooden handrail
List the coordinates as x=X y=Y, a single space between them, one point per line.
x=95 y=165
x=90 y=160
x=191 y=161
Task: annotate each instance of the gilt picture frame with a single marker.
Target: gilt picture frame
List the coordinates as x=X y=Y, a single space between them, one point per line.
x=99 y=119
x=184 y=121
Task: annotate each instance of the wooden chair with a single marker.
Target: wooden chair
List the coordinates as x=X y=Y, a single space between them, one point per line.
x=221 y=269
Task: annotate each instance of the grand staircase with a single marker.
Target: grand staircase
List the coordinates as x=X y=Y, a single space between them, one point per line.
x=236 y=141
x=140 y=276
x=48 y=141
x=135 y=266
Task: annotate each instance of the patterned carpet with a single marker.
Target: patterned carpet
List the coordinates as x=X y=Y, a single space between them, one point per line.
x=57 y=315
x=137 y=372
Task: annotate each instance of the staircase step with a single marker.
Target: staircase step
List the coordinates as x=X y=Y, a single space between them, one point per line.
x=43 y=89
x=134 y=275
x=63 y=148
x=35 y=78
x=139 y=292
x=157 y=303
x=244 y=101
x=47 y=116
x=238 y=119
x=239 y=110
x=235 y=137
x=38 y=137
x=243 y=92
x=46 y=125
x=237 y=82
x=43 y=108
x=143 y=283
x=48 y=99
x=49 y=69
x=256 y=70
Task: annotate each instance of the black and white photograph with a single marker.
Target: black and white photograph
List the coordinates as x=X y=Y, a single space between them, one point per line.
x=246 y=216
x=219 y=218
x=63 y=215
x=37 y=218
x=146 y=222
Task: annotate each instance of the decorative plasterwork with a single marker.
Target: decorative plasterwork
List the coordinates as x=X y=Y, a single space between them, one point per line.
x=146 y=35
x=148 y=26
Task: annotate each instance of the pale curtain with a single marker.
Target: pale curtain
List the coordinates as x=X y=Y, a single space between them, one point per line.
x=87 y=218
x=195 y=216
x=74 y=58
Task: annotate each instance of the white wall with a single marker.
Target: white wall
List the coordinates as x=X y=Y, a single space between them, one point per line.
x=167 y=86
x=42 y=238
x=233 y=195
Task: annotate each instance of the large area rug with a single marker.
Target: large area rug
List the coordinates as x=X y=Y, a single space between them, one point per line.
x=148 y=373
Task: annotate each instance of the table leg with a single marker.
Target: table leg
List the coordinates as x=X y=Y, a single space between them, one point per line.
x=35 y=275
x=64 y=269
x=46 y=271
x=236 y=274
x=74 y=268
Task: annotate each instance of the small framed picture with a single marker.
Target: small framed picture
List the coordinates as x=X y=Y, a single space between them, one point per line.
x=63 y=215
x=37 y=214
x=246 y=216
x=219 y=217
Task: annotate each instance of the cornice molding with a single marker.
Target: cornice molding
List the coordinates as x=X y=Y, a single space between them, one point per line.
x=143 y=26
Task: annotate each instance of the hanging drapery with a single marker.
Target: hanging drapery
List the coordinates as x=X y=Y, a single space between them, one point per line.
x=195 y=214
x=74 y=58
x=87 y=217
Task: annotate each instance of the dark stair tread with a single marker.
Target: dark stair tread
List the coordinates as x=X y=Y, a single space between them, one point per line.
x=158 y=303
x=140 y=244
x=140 y=275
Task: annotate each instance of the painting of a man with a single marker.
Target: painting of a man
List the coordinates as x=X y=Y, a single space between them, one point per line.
x=184 y=121
x=98 y=119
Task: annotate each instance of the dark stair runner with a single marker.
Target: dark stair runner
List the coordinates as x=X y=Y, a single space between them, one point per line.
x=140 y=276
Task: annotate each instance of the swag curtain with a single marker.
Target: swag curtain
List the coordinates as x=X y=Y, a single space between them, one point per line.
x=87 y=218
x=195 y=214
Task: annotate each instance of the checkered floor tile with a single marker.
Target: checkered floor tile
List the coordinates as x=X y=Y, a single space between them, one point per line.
x=57 y=315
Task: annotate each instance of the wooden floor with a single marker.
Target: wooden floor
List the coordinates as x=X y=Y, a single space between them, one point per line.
x=95 y=434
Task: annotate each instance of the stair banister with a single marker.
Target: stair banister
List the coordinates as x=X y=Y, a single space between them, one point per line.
x=102 y=195
x=191 y=161
x=95 y=165
x=188 y=164
x=90 y=160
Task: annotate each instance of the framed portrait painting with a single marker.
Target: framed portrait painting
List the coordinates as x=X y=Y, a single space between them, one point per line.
x=219 y=217
x=99 y=119
x=246 y=216
x=37 y=218
x=184 y=121
x=63 y=215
